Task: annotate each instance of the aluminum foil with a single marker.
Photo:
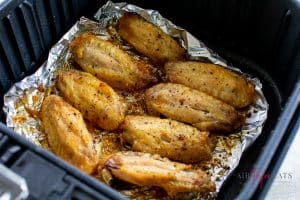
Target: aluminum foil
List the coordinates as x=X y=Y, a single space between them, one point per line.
x=24 y=98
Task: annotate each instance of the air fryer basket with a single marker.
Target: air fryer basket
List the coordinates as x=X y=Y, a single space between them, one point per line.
x=260 y=37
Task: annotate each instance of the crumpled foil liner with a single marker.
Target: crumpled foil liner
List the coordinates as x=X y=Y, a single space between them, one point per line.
x=32 y=89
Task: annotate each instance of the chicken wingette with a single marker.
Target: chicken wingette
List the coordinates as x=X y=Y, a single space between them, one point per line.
x=110 y=63
x=67 y=134
x=152 y=170
x=149 y=39
x=96 y=100
x=191 y=106
x=214 y=80
x=167 y=138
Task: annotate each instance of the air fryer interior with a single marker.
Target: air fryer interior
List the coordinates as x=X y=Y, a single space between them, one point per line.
x=259 y=37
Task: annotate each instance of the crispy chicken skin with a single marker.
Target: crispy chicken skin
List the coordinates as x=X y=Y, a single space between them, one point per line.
x=96 y=100
x=151 y=170
x=149 y=39
x=166 y=137
x=67 y=133
x=111 y=64
x=184 y=104
x=214 y=80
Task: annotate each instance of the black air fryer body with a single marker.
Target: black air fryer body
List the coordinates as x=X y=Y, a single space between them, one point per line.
x=260 y=37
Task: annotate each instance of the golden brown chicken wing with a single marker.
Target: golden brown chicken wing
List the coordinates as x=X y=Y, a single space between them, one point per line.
x=149 y=39
x=111 y=64
x=167 y=138
x=151 y=170
x=192 y=106
x=214 y=80
x=96 y=100
x=67 y=133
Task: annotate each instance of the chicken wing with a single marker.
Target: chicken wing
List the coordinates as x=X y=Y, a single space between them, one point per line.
x=67 y=133
x=151 y=170
x=110 y=63
x=214 y=80
x=192 y=106
x=167 y=138
x=96 y=100
x=149 y=39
